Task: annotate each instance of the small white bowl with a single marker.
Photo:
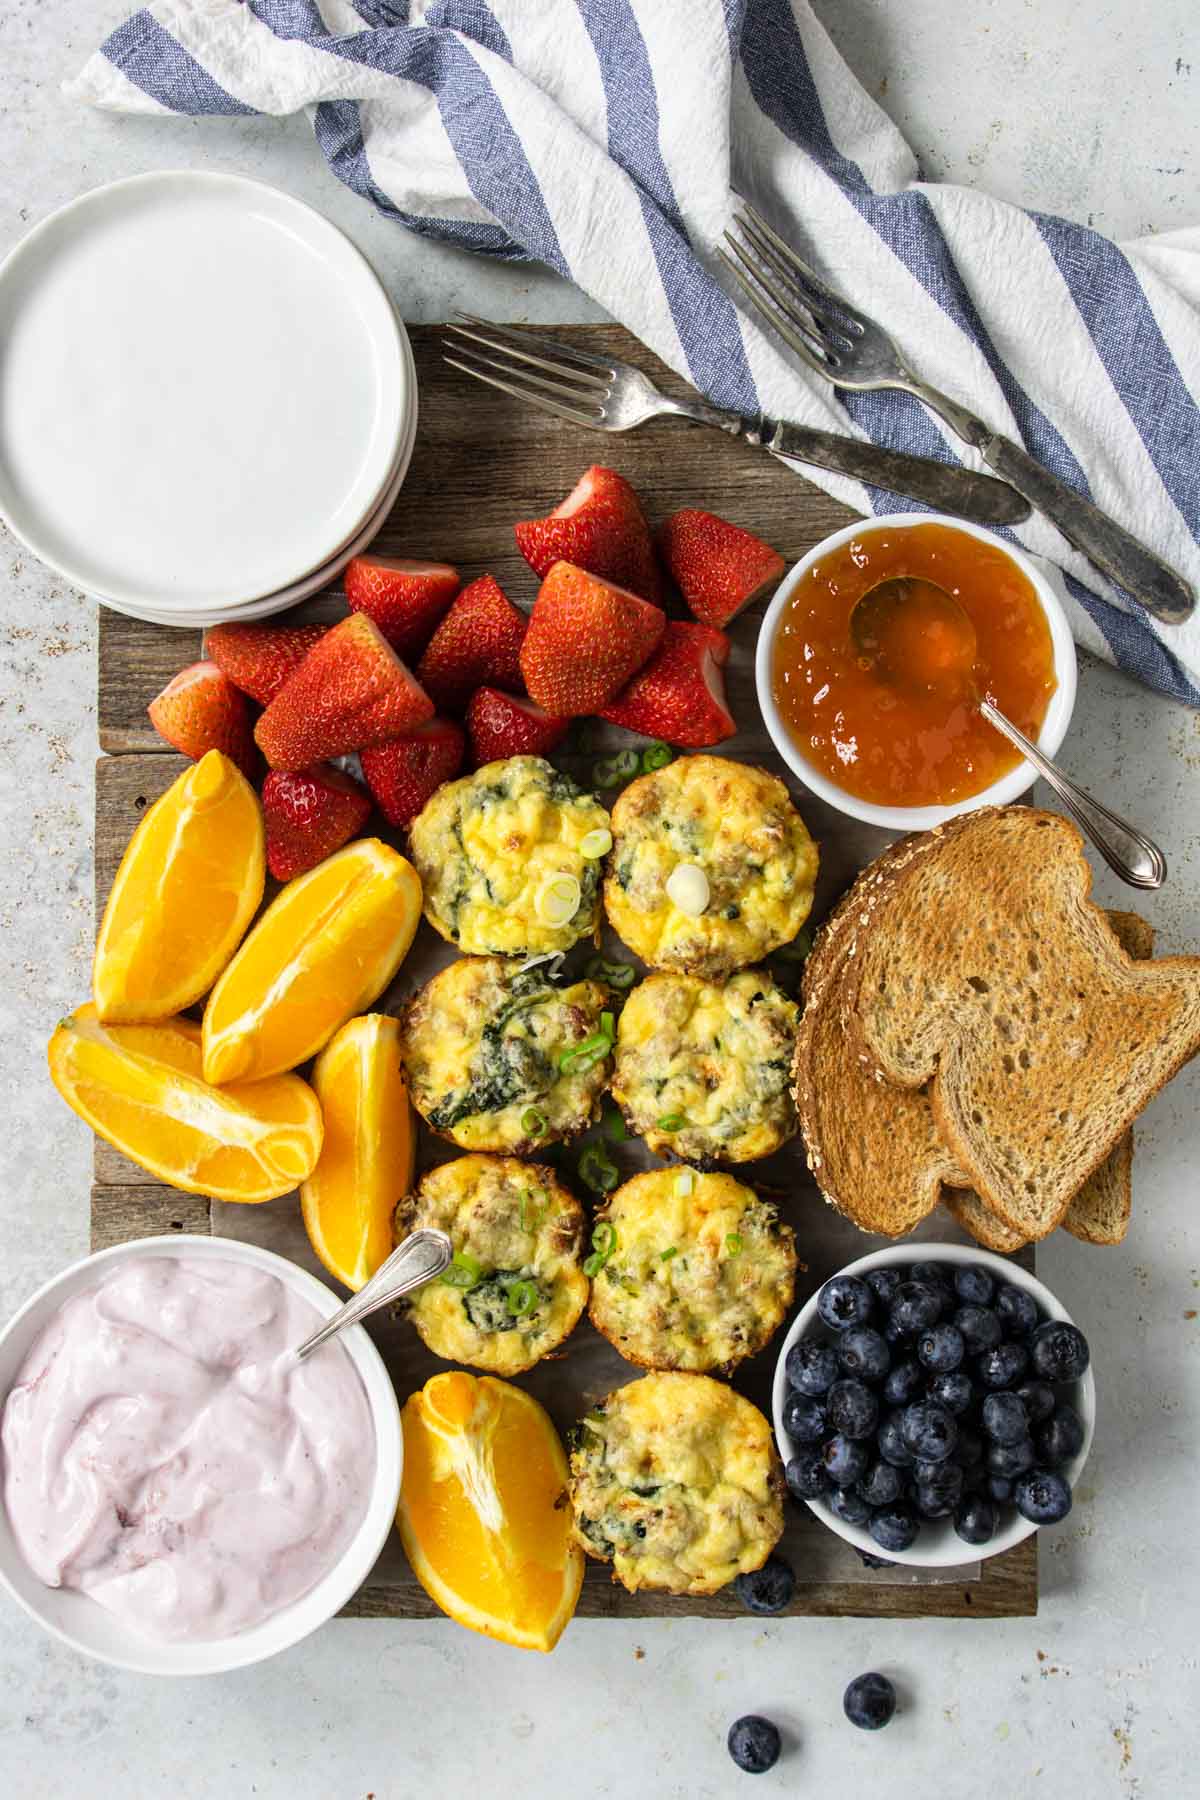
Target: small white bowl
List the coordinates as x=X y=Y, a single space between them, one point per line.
x=917 y=818
x=938 y=1546
x=77 y=1620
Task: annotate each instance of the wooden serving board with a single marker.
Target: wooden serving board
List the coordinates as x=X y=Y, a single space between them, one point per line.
x=480 y=462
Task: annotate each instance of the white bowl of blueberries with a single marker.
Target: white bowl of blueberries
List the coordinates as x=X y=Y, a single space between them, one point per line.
x=934 y=1408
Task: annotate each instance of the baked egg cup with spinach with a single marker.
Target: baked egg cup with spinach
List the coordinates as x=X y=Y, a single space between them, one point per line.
x=676 y=1481
x=703 y=1068
x=514 y=1289
x=698 y=1271
x=510 y=859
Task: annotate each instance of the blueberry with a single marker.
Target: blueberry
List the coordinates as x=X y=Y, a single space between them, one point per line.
x=980 y=1327
x=941 y=1349
x=882 y=1484
x=805 y=1420
x=1000 y=1487
x=915 y=1308
x=940 y=1491
x=1038 y=1397
x=769 y=1589
x=975 y=1520
x=1059 y=1351
x=848 y=1506
x=805 y=1475
x=893 y=1333
x=971 y=1282
x=845 y=1301
x=862 y=1352
x=928 y=1430
x=811 y=1366
x=1002 y=1367
x=969 y=1449
x=904 y=1382
x=892 y=1445
x=853 y=1409
x=845 y=1460
x=1043 y=1497
x=953 y=1391
x=754 y=1744
x=869 y=1702
x=1060 y=1438
x=1004 y=1418
x=1011 y=1459
x=893 y=1528
x=883 y=1284
x=931 y=1275
x=1018 y=1310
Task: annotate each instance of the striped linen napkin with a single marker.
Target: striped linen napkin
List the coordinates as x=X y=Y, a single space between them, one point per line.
x=611 y=138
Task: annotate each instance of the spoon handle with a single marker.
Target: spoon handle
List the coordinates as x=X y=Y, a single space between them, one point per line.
x=1128 y=852
x=420 y=1258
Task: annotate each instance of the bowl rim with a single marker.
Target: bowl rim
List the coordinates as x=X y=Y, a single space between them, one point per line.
x=948 y=1551
x=214 y=1656
x=919 y=818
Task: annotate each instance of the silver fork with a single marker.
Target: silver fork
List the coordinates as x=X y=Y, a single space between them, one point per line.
x=609 y=395
x=850 y=350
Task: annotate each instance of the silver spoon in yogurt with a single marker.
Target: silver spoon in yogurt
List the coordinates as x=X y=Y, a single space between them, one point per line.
x=420 y=1258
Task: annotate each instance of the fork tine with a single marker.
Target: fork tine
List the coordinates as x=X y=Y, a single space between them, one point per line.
x=790 y=336
x=563 y=357
x=564 y=390
x=775 y=305
x=835 y=323
x=572 y=416
x=751 y=217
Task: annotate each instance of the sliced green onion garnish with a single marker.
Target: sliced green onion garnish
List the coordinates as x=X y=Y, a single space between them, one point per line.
x=595 y=844
x=671 y=1122
x=656 y=756
x=597 y=1169
x=611 y=771
x=464 y=1271
x=666 y=1255
x=521 y=1298
x=799 y=948
x=733 y=1244
x=529 y=1215
x=617 y=975
x=604 y=1237
x=593 y=1266
x=608 y=1026
x=533 y=1122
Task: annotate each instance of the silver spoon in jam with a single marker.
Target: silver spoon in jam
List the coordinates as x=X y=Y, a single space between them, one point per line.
x=916 y=634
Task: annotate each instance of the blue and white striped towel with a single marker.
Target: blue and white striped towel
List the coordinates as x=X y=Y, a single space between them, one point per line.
x=609 y=139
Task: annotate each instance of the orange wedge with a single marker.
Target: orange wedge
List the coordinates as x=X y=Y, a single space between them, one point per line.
x=366 y=1162
x=140 y=1087
x=189 y=883
x=483 y=1514
x=325 y=948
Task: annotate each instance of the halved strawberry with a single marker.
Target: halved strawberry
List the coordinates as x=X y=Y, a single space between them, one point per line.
x=259 y=658
x=405 y=599
x=201 y=710
x=502 y=724
x=586 y=638
x=600 y=527
x=680 y=694
x=350 y=691
x=403 y=774
x=310 y=813
x=478 y=640
x=718 y=567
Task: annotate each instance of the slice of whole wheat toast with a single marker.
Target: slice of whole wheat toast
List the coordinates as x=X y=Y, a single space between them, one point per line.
x=989 y=973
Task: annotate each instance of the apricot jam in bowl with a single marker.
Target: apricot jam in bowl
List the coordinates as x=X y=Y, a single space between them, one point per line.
x=884 y=723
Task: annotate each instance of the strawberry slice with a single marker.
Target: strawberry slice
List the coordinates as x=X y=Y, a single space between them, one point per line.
x=310 y=813
x=403 y=774
x=680 y=694
x=478 y=641
x=259 y=658
x=600 y=527
x=586 y=638
x=718 y=567
x=502 y=724
x=405 y=599
x=201 y=710
x=350 y=691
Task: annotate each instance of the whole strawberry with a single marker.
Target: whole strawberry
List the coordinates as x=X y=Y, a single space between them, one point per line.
x=201 y=710
x=259 y=658
x=403 y=774
x=405 y=599
x=478 y=640
x=680 y=694
x=600 y=527
x=351 y=691
x=309 y=814
x=500 y=725
x=718 y=567
x=586 y=638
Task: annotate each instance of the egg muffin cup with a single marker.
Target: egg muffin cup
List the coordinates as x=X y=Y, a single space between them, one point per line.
x=515 y=1288
x=703 y=1068
x=510 y=859
x=699 y=1273
x=712 y=867
x=676 y=1481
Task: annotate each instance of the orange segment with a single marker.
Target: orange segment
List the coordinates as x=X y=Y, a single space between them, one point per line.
x=189 y=883
x=325 y=948
x=482 y=1514
x=140 y=1087
x=366 y=1162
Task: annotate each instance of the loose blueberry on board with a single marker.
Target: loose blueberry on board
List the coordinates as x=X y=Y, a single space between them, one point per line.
x=754 y=1744
x=811 y=1367
x=1042 y=1497
x=1002 y=1367
x=893 y=1528
x=848 y=1505
x=882 y=1484
x=941 y=1349
x=863 y=1352
x=1004 y=1418
x=975 y=1520
x=928 y=1430
x=953 y=1391
x=1059 y=1351
x=974 y=1284
x=845 y=1301
x=805 y=1475
x=767 y=1590
x=1018 y=1310
x=1060 y=1438
x=805 y=1420
x=1011 y=1459
x=904 y=1382
x=883 y=1284
x=1038 y=1397
x=845 y=1460
x=915 y=1308
x=869 y=1702
x=980 y=1327
x=853 y=1409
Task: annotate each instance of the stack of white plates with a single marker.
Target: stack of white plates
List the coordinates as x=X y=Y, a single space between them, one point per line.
x=207 y=399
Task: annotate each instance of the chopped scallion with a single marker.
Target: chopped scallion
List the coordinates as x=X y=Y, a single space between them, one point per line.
x=533 y=1122
x=733 y=1243
x=611 y=771
x=521 y=1298
x=656 y=756
x=464 y=1271
x=672 y=1122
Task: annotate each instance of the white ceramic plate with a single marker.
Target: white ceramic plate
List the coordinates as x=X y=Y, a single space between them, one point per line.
x=203 y=390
